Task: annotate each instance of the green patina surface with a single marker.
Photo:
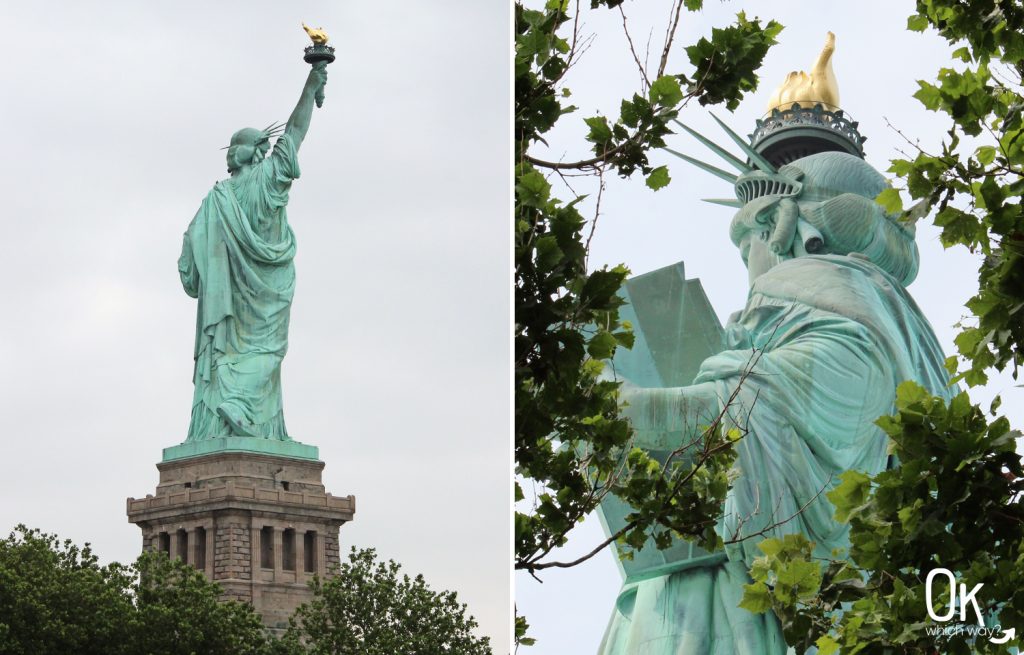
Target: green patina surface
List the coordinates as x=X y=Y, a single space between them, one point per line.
x=194 y=448
x=836 y=332
x=237 y=260
x=675 y=330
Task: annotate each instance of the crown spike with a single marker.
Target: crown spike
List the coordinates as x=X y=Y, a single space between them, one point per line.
x=725 y=202
x=725 y=175
x=730 y=158
x=757 y=159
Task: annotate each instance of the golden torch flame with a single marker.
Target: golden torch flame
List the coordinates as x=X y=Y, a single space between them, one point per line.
x=807 y=90
x=318 y=36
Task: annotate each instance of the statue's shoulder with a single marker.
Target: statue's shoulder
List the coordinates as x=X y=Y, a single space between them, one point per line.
x=851 y=280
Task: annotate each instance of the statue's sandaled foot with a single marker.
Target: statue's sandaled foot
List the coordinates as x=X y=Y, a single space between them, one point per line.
x=233 y=418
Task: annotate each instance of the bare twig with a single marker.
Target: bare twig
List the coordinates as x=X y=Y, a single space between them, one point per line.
x=647 y=48
x=914 y=144
x=632 y=50
x=670 y=35
x=565 y=181
x=574 y=53
x=597 y=213
x=772 y=526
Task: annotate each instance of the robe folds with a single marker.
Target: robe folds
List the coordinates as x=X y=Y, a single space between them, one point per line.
x=237 y=260
x=836 y=335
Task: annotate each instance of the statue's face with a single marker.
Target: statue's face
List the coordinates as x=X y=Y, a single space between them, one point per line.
x=758 y=255
x=756 y=227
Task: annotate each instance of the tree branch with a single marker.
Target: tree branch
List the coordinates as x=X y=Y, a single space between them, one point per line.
x=632 y=50
x=670 y=35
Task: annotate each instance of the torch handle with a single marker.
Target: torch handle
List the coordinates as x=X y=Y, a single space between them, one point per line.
x=319 y=96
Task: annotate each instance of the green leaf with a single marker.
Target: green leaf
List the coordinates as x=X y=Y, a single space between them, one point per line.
x=890 y=200
x=600 y=131
x=917 y=23
x=826 y=645
x=548 y=252
x=929 y=95
x=985 y=155
x=963 y=54
x=909 y=393
x=770 y=547
x=756 y=598
x=602 y=345
x=951 y=364
x=665 y=91
x=851 y=493
x=658 y=178
x=804 y=575
x=532 y=189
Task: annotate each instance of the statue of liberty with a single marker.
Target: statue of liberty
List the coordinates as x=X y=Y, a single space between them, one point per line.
x=237 y=260
x=835 y=332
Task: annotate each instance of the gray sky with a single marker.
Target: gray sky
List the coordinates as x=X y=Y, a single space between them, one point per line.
x=398 y=366
x=876 y=63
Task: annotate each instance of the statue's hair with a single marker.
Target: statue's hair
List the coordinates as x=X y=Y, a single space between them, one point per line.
x=834 y=173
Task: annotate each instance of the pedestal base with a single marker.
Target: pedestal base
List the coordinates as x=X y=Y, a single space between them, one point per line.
x=260 y=525
x=292 y=449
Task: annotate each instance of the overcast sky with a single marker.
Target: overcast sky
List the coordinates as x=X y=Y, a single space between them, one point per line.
x=876 y=63
x=398 y=362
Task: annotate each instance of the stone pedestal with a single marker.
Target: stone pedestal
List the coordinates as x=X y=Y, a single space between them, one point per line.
x=260 y=525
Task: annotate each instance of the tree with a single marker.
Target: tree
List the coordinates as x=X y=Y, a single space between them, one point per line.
x=56 y=598
x=178 y=610
x=953 y=500
x=571 y=443
x=366 y=608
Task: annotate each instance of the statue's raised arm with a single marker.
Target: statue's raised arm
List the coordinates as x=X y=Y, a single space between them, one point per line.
x=319 y=55
x=298 y=122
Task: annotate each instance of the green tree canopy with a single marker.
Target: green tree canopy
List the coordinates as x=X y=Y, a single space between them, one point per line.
x=369 y=608
x=55 y=598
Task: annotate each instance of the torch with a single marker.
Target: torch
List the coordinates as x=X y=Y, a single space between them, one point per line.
x=318 y=54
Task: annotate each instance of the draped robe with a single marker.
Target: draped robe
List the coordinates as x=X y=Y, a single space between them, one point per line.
x=837 y=334
x=237 y=259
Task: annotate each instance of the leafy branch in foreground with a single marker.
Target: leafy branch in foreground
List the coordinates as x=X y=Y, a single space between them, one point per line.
x=572 y=445
x=951 y=503
x=977 y=193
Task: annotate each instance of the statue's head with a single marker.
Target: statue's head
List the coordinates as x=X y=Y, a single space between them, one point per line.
x=805 y=188
x=249 y=145
x=820 y=204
